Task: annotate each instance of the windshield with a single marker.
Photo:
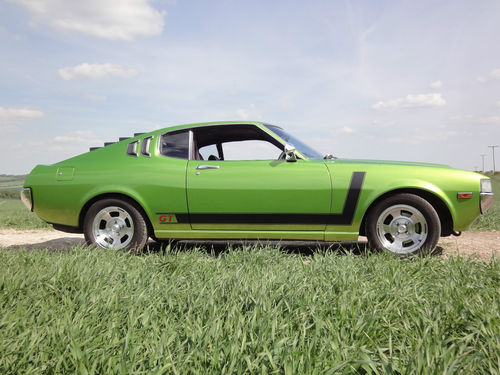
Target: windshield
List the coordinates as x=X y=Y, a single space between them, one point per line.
x=297 y=143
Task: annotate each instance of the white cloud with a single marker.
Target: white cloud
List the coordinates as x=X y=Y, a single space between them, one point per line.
x=95 y=71
x=347 y=130
x=382 y=124
x=436 y=85
x=490 y=120
x=498 y=103
x=19 y=113
x=109 y=19
x=495 y=74
x=95 y=98
x=474 y=120
x=248 y=114
x=439 y=135
x=78 y=137
x=243 y=114
x=412 y=101
x=11 y=119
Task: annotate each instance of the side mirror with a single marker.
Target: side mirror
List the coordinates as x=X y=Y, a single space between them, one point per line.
x=290 y=152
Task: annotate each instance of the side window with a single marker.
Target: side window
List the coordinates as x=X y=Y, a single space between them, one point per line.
x=234 y=142
x=175 y=145
x=250 y=150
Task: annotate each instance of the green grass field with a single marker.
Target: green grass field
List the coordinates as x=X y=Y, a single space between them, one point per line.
x=254 y=311
x=13 y=214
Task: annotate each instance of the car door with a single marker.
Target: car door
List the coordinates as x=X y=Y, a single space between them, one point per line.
x=258 y=194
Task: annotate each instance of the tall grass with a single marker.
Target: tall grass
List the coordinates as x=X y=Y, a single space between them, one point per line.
x=255 y=311
x=13 y=214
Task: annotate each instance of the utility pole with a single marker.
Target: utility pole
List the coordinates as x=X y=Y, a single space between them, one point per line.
x=483 y=155
x=493 y=151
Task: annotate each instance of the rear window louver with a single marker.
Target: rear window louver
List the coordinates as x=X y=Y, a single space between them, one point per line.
x=129 y=148
x=132 y=148
x=145 y=146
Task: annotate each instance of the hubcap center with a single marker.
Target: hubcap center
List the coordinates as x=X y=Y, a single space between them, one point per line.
x=402 y=228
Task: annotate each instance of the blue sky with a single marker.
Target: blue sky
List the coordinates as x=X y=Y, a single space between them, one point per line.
x=400 y=80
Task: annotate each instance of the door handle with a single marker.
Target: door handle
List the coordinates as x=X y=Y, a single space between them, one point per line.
x=207 y=167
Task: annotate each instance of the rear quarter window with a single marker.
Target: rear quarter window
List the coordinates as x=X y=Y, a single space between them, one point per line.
x=175 y=145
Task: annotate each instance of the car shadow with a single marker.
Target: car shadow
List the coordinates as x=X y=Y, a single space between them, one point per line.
x=219 y=247
x=304 y=248
x=56 y=245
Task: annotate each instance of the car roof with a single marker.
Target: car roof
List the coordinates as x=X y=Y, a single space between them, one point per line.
x=211 y=123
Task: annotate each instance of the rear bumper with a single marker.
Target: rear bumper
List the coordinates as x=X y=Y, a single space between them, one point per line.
x=66 y=228
x=27 y=198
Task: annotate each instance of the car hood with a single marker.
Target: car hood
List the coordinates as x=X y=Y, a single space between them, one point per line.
x=385 y=162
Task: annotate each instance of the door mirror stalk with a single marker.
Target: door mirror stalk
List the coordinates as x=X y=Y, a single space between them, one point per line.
x=290 y=154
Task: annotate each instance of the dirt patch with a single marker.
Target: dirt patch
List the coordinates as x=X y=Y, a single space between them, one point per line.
x=482 y=244
x=39 y=239
x=479 y=244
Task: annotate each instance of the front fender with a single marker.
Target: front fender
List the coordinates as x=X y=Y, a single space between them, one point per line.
x=410 y=184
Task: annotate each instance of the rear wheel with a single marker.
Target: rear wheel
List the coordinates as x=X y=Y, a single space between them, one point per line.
x=403 y=224
x=115 y=224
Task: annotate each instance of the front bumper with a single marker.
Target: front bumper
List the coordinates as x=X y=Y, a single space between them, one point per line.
x=486 y=200
x=486 y=195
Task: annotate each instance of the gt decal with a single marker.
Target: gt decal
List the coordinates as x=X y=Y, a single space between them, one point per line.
x=344 y=218
x=166 y=218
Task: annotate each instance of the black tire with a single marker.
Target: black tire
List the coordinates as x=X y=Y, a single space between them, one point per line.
x=115 y=224
x=403 y=224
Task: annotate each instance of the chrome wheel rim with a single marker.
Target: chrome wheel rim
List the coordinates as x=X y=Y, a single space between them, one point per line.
x=402 y=229
x=113 y=228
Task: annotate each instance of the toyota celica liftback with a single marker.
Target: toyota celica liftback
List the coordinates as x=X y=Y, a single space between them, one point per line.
x=250 y=180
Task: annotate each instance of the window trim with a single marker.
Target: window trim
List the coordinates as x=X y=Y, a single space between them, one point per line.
x=190 y=143
x=260 y=127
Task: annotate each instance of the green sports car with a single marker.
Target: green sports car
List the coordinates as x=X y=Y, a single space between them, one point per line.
x=250 y=180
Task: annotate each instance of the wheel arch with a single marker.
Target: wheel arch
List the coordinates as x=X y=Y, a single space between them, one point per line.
x=119 y=196
x=436 y=202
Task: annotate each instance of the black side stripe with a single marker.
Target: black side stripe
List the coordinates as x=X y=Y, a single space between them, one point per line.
x=344 y=218
x=351 y=202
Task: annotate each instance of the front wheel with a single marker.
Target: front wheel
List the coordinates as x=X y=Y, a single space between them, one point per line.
x=403 y=224
x=115 y=224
